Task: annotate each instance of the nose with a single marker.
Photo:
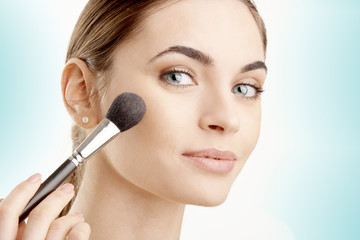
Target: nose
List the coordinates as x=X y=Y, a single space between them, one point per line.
x=219 y=114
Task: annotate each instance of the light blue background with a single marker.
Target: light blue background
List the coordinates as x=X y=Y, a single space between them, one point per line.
x=32 y=53
x=316 y=189
x=313 y=101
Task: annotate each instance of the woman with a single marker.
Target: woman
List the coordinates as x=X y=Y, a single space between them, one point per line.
x=199 y=66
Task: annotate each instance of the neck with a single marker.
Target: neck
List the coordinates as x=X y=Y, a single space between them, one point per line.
x=117 y=209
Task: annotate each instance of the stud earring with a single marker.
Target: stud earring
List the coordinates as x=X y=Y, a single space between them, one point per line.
x=85 y=119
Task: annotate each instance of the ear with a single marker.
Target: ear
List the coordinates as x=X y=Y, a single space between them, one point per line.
x=80 y=99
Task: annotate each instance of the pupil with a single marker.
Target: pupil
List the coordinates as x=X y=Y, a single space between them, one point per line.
x=242 y=89
x=175 y=77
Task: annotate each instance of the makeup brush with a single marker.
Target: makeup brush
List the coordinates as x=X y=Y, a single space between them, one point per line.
x=125 y=112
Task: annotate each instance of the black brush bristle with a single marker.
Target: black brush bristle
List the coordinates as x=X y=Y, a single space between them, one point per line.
x=126 y=111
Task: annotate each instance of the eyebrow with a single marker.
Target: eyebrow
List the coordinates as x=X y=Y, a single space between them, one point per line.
x=205 y=58
x=187 y=51
x=253 y=66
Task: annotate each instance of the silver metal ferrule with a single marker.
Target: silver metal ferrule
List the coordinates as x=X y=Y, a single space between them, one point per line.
x=102 y=134
x=76 y=158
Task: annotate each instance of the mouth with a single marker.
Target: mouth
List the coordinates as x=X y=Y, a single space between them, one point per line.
x=212 y=160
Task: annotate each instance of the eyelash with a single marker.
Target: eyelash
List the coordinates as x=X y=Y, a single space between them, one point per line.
x=259 y=90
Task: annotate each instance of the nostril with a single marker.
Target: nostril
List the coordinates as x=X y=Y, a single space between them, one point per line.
x=215 y=127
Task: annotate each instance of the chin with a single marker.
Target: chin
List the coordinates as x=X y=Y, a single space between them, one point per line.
x=209 y=199
x=210 y=202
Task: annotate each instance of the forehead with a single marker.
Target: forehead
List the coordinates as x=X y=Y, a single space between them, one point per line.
x=225 y=25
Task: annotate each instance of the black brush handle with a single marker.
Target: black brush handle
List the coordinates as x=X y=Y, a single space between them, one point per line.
x=48 y=186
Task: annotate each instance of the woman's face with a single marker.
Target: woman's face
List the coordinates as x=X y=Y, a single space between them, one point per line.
x=190 y=64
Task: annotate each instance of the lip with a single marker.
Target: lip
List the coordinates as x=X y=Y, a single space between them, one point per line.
x=212 y=160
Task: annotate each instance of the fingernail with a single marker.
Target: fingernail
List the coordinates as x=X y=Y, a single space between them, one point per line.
x=34 y=178
x=67 y=187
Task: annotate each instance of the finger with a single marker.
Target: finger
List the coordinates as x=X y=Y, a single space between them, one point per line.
x=44 y=214
x=80 y=231
x=12 y=206
x=21 y=229
x=62 y=226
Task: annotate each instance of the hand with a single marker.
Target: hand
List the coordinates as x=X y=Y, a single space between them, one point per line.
x=42 y=222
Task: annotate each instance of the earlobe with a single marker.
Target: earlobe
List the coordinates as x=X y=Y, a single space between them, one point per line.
x=77 y=91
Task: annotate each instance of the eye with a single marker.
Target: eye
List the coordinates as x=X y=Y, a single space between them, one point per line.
x=247 y=90
x=179 y=77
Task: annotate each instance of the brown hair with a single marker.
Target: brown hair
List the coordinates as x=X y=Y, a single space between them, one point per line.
x=101 y=27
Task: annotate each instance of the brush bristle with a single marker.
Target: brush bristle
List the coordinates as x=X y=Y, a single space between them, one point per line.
x=126 y=111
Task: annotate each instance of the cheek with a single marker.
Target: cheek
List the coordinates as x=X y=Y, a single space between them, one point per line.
x=250 y=131
x=145 y=150
x=171 y=119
